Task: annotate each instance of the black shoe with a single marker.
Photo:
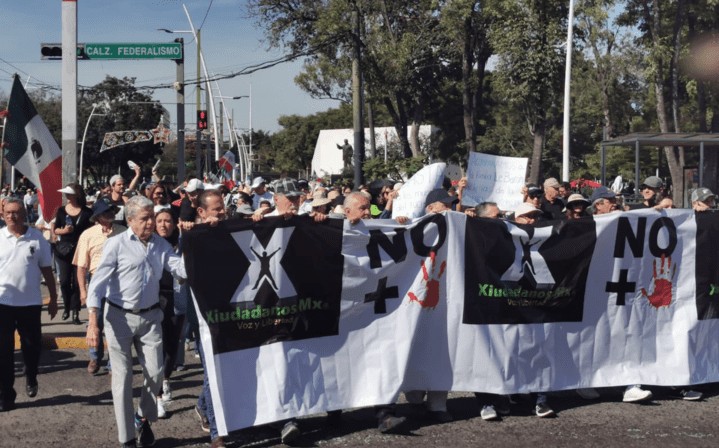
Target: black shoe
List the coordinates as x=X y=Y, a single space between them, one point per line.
x=76 y=318
x=31 y=389
x=145 y=435
x=6 y=406
x=391 y=424
x=290 y=432
x=440 y=416
x=129 y=444
x=65 y=315
x=334 y=418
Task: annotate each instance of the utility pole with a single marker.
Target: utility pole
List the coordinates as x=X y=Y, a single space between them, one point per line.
x=69 y=91
x=180 y=88
x=198 y=101
x=357 y=120
x=209 y=104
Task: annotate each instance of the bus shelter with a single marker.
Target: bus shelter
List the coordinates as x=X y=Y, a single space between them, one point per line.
x=639 y=139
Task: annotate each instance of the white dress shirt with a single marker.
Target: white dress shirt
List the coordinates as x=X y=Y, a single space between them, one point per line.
x=129 y=272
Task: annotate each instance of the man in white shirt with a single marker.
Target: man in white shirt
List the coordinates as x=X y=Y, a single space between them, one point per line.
x=128 y=277
x=260 y=193
x=25 y=256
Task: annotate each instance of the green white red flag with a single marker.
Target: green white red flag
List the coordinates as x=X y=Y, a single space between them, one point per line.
x=32 y=150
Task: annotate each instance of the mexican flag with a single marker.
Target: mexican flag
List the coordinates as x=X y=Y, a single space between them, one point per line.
x=33 y=151
x=227 y=162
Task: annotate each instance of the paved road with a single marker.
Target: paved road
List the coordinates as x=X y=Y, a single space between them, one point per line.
x=74 y=409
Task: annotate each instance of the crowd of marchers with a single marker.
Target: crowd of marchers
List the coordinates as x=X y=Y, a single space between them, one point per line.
x=117 y=251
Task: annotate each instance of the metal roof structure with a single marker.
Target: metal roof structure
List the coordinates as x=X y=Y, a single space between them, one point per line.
x=639 y=139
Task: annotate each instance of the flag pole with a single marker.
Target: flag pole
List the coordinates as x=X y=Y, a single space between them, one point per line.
x=2 y=142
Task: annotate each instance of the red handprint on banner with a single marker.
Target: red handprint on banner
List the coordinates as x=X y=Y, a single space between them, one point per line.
x=660 y=290
x=431 y=295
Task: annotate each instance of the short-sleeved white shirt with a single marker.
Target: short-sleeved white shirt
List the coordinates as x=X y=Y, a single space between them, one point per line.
x=20 y=262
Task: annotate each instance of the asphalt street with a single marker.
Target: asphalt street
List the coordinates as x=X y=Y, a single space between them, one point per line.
x=74 y=409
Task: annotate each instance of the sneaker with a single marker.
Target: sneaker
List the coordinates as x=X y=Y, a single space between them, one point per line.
x=635 y=394
x=543 y=410
x=390 y=424
x=290 y=432
x=166 y=391
x=488 y=413
x=204 y=422
x=218 y=442
x=161 y=412
x=180 y=368
x=690 y=395
x=145 y=435
x=502 y=405
x=93 y=367
x=588 y=393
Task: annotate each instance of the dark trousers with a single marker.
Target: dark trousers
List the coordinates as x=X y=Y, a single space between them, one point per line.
x=172 y=326
x=26 y=319
x=68 y=283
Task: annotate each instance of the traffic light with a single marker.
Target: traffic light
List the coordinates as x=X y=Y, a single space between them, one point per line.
x=201 y=119
x=54 y=51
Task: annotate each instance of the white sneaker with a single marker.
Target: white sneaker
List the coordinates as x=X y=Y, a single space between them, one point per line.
x=166 y=391
x=488 y=413
x=635 y=394
x=161 y=412
x=691 y=395
x=588 y=393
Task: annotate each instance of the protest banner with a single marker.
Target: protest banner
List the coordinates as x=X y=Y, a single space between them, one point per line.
x=410 y=202
x=347 y=316
x=494 y=179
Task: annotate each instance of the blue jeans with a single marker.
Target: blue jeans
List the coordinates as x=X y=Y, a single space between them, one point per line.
x=204 y=402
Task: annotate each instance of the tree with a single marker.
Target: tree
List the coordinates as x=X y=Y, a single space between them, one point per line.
x=527 y=36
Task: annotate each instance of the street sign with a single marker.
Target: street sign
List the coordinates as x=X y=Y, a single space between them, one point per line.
x=136 y=50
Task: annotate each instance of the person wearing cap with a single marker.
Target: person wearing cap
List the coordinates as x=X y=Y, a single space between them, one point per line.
x=532 y=195
x=551 y=204
x=259 y=192
x=527 y=214
x=71 y=220
x=650 y=190
x=702 y=199
x=576 y=207
x=87 y=258
x=133 y=317
x=25 y=257
x=287 y=201
x=306 y=203
x=603 y=201
x=188 y=206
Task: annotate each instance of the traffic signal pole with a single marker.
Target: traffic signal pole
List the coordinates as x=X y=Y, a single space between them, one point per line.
x=180 y=87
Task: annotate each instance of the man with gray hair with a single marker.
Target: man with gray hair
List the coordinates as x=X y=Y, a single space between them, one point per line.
x=128 y=277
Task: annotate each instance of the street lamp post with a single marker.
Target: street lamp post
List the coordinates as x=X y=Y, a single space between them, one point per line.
x=84 y=135
x=231 y=128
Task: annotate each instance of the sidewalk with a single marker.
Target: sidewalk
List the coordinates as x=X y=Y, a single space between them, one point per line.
x=59 y=334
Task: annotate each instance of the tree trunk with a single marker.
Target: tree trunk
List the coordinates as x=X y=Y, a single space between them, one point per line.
x=414 y=129
x=535 y=168
x=400 y=124
x=372 y=138
x=468 y=98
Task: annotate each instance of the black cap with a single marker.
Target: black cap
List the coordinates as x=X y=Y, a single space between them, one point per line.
x=440 y=195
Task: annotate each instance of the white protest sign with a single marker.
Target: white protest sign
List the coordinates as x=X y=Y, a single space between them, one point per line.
x=410 y=202
x=496 y=179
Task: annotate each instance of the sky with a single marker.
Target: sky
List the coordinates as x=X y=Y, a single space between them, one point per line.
x=231 y=41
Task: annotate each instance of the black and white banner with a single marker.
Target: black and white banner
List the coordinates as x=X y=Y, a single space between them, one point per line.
x=299 y=318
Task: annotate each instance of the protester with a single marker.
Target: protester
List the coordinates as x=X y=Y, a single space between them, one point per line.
x=551 y=204
x=702 y=199
x=565 y=190
x=527 y=214
x=188 y=207
x=576 y=207
x=133 y=316
x=436 y=201
x=70 y=221
x=603 y=201
x=87 y=258
x=487 y=210
x=650 y=190
x=173 y=302
x=25 y=256
x=260 y=193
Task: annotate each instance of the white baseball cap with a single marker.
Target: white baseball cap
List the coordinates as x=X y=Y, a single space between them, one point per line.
x=194 y=185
